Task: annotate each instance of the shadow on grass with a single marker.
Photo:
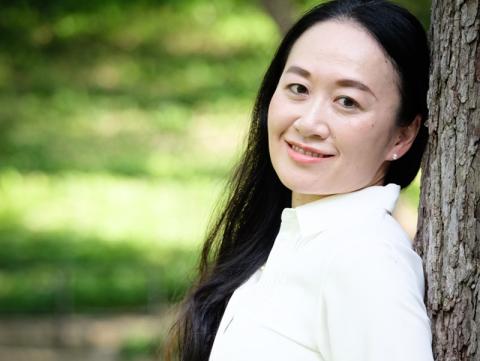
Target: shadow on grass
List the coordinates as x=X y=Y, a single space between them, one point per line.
x=81 y=99
x=84 y=127
x=65 y=272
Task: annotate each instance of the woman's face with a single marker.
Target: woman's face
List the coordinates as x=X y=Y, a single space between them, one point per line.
x=331 y=120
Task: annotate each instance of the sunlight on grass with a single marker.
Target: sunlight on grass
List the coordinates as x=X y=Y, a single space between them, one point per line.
x=109 y=207
x=244 y=27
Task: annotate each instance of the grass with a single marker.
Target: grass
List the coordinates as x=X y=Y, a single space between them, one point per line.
x=118 y=125
x=93 y=241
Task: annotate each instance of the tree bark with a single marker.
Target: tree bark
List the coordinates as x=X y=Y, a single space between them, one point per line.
x=448 y=236
x=281 y=11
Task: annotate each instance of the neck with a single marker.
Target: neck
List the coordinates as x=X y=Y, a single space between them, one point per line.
x=299 y=199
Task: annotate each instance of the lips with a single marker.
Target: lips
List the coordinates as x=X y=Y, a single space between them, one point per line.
x=308 y=151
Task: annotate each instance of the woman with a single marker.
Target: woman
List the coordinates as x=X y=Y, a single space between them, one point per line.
x=305 y=262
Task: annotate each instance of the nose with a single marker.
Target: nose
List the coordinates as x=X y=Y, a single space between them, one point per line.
x=313 y=121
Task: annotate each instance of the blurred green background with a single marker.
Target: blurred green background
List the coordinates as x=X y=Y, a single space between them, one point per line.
x=119 y=121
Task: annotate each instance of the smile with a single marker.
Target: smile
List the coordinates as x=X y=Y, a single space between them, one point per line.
x=308 y=151
x=305 y=154
x=300 y=150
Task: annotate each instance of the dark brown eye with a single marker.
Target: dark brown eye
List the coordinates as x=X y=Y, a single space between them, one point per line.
x=298 y=89
x=348 y=102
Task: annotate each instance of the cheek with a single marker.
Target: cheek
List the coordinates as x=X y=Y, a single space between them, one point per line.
x=365 y=141
x=274 y=121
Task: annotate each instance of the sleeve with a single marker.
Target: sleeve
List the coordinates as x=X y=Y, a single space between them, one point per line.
x=370 y=306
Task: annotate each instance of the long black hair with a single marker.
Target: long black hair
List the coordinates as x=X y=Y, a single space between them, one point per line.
x=240 y=240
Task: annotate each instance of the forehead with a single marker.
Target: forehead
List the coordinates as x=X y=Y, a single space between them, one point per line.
x=344 y=47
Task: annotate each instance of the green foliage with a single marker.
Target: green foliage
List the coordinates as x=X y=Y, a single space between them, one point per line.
x=59 y=272
x=116 y=92
x=82 y=242
x=118 y=124
x=139 y=347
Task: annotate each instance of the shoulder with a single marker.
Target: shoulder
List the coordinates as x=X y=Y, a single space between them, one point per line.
x=370 y=304
x=376 y=253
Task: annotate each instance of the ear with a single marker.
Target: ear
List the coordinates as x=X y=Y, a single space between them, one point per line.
x=404 y=139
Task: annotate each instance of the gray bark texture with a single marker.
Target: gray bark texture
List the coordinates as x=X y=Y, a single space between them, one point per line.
x=281 y=11
x=448 y=236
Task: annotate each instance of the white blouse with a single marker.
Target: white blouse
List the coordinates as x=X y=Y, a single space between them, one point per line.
x=341 y=283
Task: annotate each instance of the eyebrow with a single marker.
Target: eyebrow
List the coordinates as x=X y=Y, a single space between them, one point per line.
x=348 y=83
x=300 y=71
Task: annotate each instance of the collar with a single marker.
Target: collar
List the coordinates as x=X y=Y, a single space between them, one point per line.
x=319 y=215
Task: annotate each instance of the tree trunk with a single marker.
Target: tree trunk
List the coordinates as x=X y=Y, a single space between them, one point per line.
x=281 y=11
x=448 y=237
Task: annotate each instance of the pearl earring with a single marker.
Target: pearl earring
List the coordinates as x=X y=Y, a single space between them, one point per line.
x=395 y=156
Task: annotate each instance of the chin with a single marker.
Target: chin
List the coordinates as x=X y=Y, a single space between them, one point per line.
x=305 y=188
x=294 y=185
